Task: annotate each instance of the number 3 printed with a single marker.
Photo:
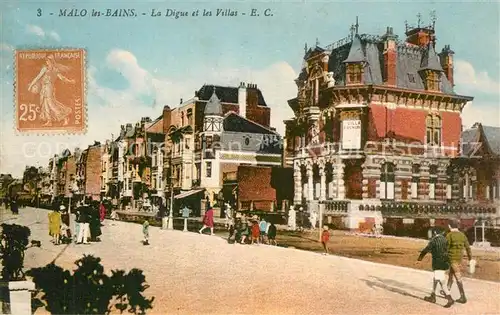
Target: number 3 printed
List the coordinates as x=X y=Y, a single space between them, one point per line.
x=39 y=12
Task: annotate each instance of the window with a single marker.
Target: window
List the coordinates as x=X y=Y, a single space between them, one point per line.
x=190 y=116
x=415 y=179
x=209 y=169
x=433 y=134
x=387 y=178
x=354 y=73
x=432 y=181
x=432 y=80
x=411 y=77
x=182 y=119
x=208 y=142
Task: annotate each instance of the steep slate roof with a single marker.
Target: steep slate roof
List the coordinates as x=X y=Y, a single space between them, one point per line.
x=430 y=60
x=492 y=135
x=410 y=59
x=468 y=138
x=236 y=123
x=226 y=94
x=356 y=53
x=488 y=135
x=213 y=107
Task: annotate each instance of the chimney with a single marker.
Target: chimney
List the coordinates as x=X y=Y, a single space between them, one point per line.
x=167 y=120
x=446 y=60
x=242 y=99
x=390 y=57
x=181 y=101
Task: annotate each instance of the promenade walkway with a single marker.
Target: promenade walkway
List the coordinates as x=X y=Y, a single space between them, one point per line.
x=200 y=274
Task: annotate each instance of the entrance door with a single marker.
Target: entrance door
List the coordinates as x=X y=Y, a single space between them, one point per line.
x=353 y=179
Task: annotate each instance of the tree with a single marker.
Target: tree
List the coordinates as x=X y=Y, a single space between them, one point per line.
x=31 y=178
x=89 y=290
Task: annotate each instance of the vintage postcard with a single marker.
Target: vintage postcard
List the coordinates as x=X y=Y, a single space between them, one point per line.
x=242 y=157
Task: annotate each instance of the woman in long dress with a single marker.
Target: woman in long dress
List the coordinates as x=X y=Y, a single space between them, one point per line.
x=51 y=110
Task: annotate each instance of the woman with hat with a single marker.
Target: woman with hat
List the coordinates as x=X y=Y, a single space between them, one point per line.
x=55 y=225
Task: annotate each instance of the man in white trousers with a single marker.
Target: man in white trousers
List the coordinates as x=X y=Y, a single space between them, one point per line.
x=84 y=232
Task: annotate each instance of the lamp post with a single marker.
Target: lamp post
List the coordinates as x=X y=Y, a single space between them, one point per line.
x=170 y=225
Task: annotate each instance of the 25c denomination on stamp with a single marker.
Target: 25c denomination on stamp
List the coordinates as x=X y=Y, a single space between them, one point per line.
x=50 y=90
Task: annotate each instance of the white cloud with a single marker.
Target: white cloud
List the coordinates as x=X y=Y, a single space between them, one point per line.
x=55 y=36
x=486 y=114
x=40 y=32
x=111 y=107
x=6 y=47
x=468 y=79
x=35 y=30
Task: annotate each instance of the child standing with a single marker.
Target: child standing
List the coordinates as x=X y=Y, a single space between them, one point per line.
x=145 y=231
x=325 y=237
x=255 y=232
x=271 y=234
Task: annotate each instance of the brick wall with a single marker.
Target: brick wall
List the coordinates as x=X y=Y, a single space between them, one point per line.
x=93 y=172
x=254 y=183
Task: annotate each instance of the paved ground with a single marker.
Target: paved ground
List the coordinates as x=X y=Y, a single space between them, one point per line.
x=200 y=274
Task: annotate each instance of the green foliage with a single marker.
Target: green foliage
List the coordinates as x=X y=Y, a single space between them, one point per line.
x=14 y=241
x=89 y=290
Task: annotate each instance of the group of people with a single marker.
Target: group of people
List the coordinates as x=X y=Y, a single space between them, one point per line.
x=253 y=231
x=89 y=216
x=11 y=202
x=447 y=254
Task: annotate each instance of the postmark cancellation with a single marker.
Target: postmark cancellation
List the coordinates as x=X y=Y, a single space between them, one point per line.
x=50 y=91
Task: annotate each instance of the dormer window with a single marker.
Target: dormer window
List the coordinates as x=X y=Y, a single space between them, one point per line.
x=354 y=73
x=432 y=80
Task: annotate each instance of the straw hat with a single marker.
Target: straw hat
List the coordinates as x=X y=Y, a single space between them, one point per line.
x=325 y=227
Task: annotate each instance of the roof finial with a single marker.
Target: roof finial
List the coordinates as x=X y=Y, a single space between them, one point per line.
x=305 y=48
x=433 y=18
x=419 y=19
x=357 y=25
x=317 y=42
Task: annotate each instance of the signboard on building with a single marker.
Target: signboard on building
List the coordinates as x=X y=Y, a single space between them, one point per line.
x=351 y=134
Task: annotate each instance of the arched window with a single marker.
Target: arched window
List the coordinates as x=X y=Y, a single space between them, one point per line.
x=387 y=178
x=433 y=134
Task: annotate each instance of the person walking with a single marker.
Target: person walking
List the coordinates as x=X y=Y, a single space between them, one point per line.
x=438 y=247
x=102 y=212
x=457 y=242
x=84 y=231
x=14 y=206
x=55 y=225
x=271 y=234
x=325 y=237
x=255 y=232
x=94 y=222
x=65 y=230
x=208 y=221
x=263 y=229
x=145 y=232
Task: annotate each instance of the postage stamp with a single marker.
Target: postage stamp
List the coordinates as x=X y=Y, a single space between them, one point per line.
x=50 y=91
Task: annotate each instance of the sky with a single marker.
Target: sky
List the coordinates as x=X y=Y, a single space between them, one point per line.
x=136 y=65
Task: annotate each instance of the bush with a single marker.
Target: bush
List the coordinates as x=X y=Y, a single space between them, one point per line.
x=14 y=241
x=89 y=290
x=395 y=226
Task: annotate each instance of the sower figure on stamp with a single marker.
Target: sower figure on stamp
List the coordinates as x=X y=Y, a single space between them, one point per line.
x=51 y=110
x=438 y=247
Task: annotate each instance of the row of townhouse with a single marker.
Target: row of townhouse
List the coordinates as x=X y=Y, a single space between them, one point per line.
x=185 y=154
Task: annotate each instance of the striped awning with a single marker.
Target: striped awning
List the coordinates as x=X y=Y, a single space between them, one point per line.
x=188 y=193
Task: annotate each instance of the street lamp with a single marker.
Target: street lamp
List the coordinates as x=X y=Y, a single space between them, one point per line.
x=170 y=225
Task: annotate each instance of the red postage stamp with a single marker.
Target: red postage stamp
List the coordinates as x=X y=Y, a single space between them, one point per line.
x=50 y=90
